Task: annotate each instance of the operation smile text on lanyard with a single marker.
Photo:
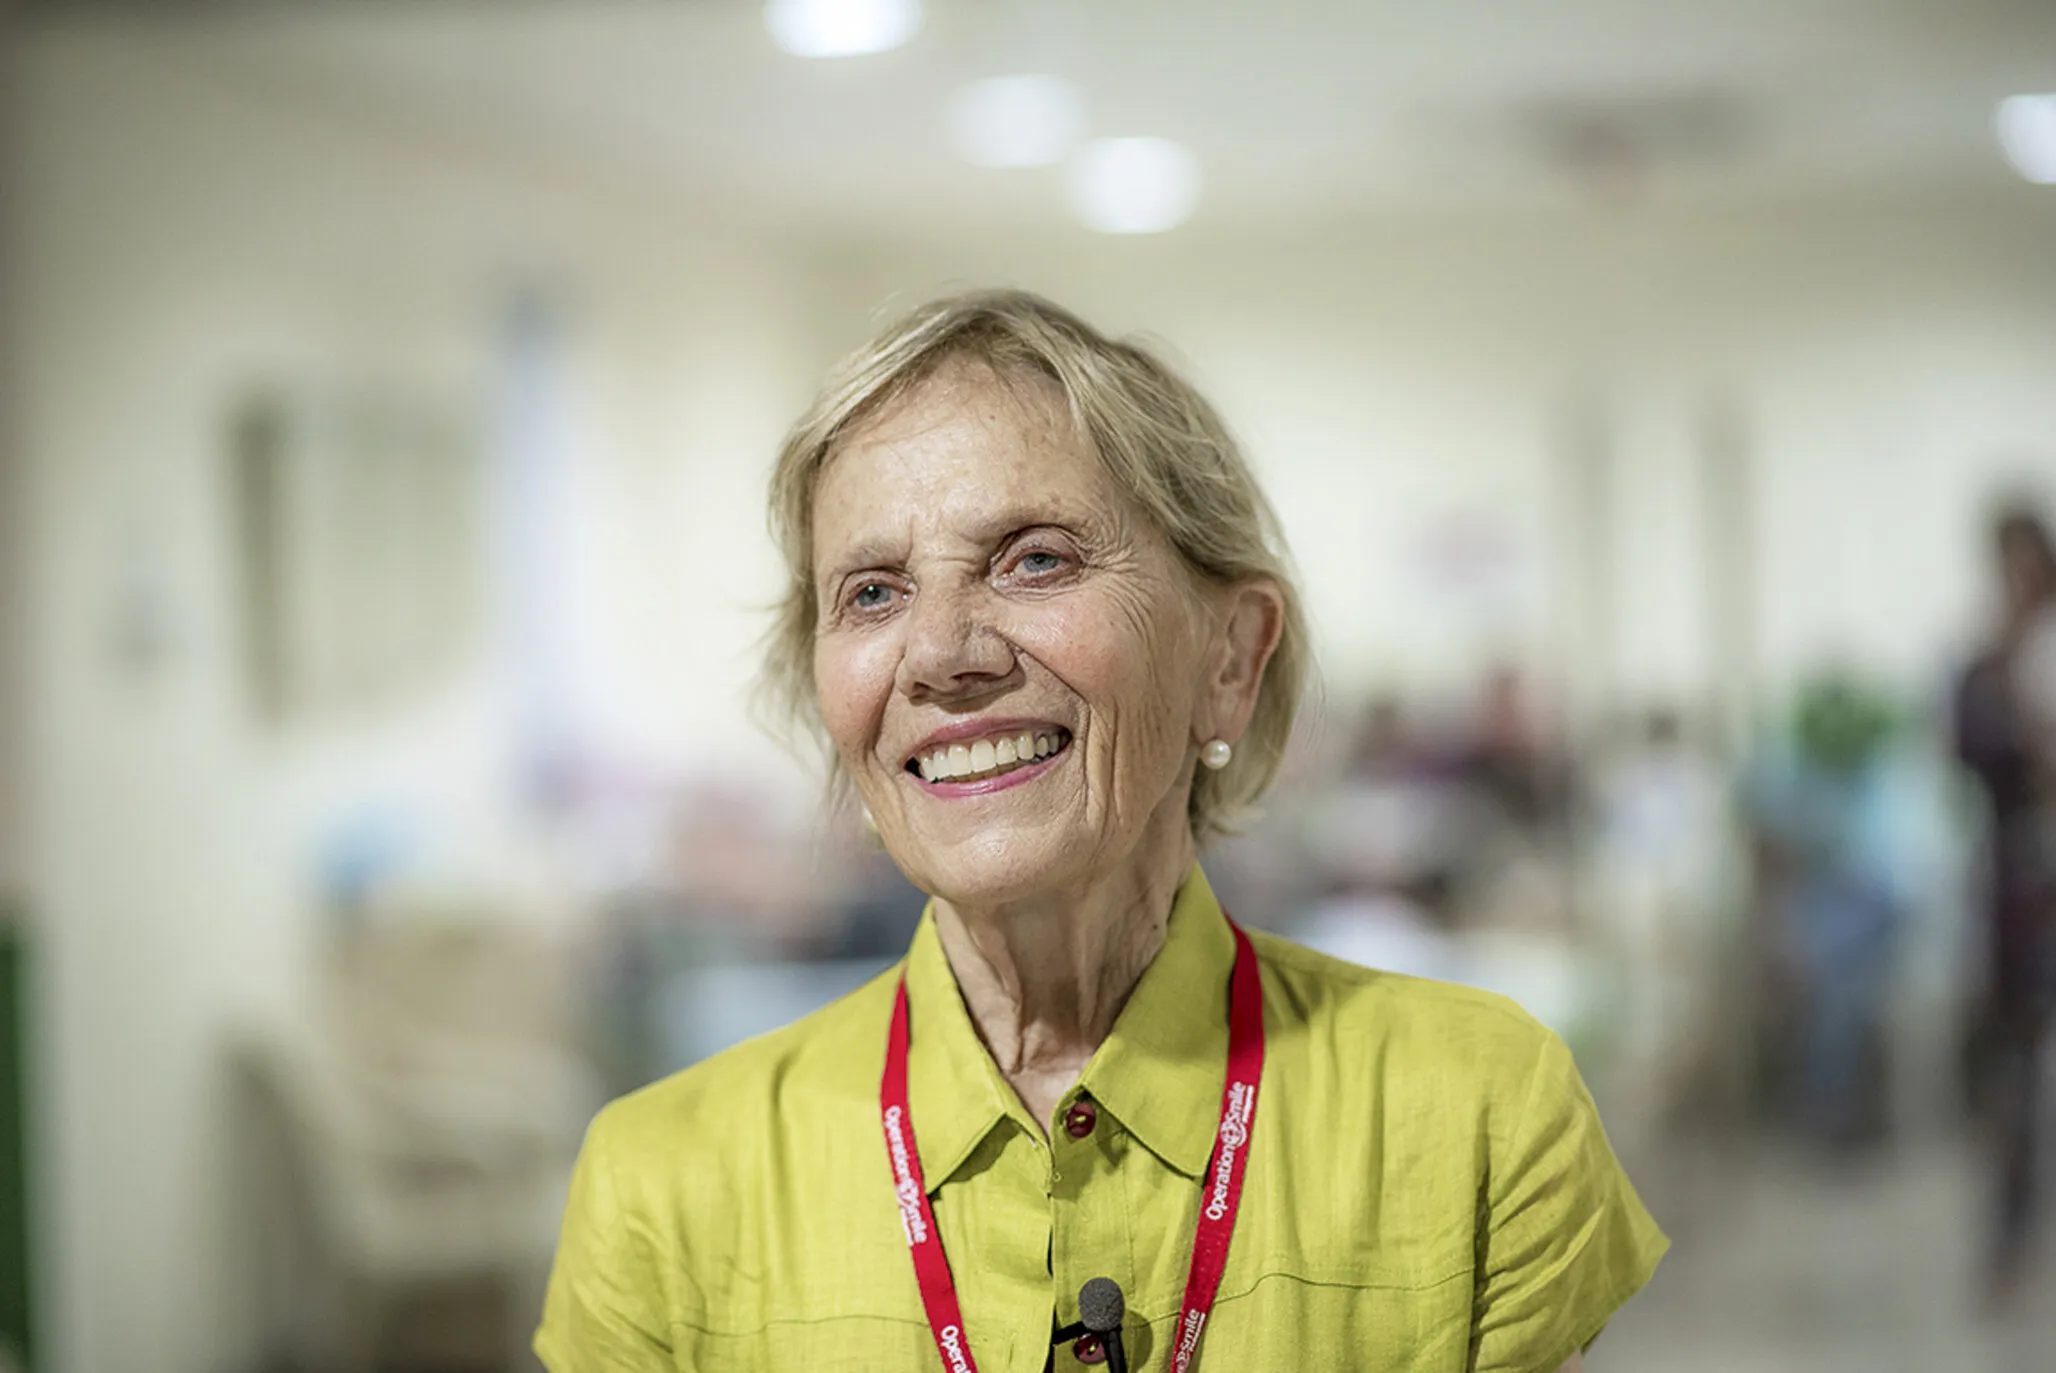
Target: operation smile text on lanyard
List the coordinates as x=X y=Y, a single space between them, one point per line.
x=1220 y=1196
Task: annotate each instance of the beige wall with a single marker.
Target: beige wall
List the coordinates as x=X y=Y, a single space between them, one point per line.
x=180 y=242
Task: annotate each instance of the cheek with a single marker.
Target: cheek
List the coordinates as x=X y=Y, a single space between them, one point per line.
x=852 y=682
x=1128 y=656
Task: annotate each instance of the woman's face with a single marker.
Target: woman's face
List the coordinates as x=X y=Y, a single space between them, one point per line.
x=1010 y=658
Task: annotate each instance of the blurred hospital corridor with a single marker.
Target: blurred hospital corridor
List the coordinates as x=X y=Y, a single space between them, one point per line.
x=1658 y=399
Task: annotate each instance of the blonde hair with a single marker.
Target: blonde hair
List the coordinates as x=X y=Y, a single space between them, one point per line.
x=1160 y=440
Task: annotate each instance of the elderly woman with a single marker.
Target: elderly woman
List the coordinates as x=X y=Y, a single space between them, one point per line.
x=1040 y=607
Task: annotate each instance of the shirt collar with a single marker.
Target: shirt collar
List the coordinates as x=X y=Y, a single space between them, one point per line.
x=954 y=1088
x=1159 y=1072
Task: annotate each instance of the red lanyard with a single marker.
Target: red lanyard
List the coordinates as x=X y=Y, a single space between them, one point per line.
x=1220 y=1195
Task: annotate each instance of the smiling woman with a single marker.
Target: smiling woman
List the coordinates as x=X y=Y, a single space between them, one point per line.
x=979 y=576
x=1040 y=609
x=1147 y=451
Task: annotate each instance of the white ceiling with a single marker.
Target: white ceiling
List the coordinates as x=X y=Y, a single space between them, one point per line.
x=1300 y=110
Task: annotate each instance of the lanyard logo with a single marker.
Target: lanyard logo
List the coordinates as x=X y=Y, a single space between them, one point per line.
x=905 y=1188
x=1234 y=1134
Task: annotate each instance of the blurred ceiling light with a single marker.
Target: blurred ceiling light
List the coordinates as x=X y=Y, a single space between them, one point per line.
x=1016 y=121
x=1134 y=185
x=840 y=28
x=2027 y=134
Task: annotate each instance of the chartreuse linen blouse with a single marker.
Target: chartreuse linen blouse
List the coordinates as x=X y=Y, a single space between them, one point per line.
x=1429 y=1189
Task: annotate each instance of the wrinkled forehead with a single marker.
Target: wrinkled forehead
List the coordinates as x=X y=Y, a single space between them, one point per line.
x=962 y=448
x=956 y=464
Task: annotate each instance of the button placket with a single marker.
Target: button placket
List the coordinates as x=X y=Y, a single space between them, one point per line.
x=1089 y=1215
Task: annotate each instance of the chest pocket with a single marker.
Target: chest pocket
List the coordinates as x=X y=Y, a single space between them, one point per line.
x=1366 y=1261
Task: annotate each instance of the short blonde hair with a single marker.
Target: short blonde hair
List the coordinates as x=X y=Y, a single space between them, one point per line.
x=1160 y=440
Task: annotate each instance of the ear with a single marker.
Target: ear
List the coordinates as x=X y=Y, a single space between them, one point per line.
x=1251 y=618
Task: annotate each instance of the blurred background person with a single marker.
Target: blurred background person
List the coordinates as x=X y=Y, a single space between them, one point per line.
x=1821 y=795
x=1388 y=840
x=2004 y=707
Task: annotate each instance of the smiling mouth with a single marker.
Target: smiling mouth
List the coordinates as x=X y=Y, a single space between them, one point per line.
x=987 y=758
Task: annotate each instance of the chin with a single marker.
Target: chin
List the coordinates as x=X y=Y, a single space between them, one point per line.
x=994 y=869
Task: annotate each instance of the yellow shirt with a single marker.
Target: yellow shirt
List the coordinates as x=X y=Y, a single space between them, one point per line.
x=1428 y=1186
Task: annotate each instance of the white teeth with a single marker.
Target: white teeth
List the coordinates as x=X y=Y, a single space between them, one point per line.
x=958 y=762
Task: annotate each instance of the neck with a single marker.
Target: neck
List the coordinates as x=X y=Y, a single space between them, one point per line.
x=1044 y=977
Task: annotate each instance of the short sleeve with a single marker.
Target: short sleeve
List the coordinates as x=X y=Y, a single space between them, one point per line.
x=1564 y=1240
x=603 y=1310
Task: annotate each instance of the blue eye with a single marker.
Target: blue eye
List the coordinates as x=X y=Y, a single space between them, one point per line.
x=871 y=596
x=1038 y=563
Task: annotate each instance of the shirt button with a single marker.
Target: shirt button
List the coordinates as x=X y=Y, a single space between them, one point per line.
x=1079 y=1120
x=1088 y=1349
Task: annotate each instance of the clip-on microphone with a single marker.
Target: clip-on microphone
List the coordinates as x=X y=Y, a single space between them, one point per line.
x=1101 y=1308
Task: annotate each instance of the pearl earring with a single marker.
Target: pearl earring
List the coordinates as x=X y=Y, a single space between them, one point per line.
x=1216 y=754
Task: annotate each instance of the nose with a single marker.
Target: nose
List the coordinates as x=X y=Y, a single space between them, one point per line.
x=952 y=646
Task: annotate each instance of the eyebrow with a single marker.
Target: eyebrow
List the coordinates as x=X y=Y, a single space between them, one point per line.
x=880 y=553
